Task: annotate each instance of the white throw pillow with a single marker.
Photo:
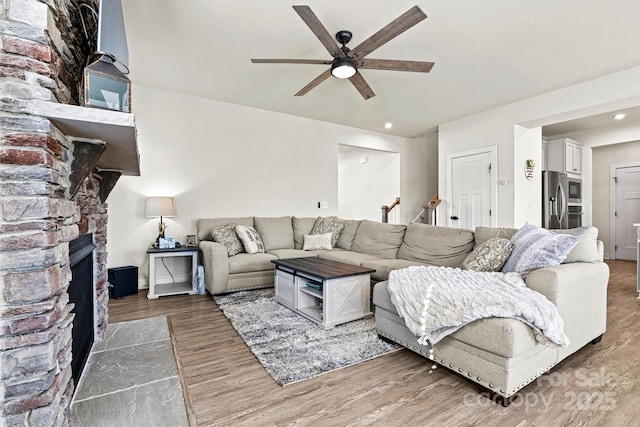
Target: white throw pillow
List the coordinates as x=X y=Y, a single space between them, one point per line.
x=250 y=239
x=587 y=248
x=314 y=242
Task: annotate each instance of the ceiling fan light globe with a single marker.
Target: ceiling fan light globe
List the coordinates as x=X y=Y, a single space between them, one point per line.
x=343 y=68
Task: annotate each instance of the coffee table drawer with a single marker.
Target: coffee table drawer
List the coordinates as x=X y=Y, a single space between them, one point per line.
x=285 y=287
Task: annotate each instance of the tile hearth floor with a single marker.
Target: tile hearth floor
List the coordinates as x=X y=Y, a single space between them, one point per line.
x=131 y=378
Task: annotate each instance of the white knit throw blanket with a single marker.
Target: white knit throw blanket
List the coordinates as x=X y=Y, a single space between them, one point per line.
x=437 y=301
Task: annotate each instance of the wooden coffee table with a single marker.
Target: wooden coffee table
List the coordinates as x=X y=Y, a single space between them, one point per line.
x=324 y=291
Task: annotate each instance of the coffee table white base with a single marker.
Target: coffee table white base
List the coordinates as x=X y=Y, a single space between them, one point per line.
x=339 y=301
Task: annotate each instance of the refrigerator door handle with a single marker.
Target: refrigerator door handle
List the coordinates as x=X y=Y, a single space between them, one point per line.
x=563 y=204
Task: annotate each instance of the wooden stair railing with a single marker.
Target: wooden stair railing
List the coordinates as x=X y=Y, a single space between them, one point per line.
x=386 y=209
x=430 y=210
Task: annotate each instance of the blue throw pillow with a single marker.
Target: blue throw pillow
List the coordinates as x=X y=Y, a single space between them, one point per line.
x=535 y=247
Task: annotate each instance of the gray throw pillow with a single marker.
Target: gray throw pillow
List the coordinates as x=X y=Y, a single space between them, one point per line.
x=227 y=236
x=535 y=247
x=324 y=225
x=488 y=256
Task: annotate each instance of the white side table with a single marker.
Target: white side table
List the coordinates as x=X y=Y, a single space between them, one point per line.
x=157 y=289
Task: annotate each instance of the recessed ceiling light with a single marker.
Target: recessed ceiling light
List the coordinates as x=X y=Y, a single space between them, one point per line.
x=619 y=116
x=388 y=125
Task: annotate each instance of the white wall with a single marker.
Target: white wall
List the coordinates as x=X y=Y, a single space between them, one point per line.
x=497 y=126
x=220 y=159
x=367 y=180
x=424 y=163
x=527 y=146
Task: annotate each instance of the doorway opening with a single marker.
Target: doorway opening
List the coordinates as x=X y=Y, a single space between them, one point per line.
x=367 y=180
x=625 y=210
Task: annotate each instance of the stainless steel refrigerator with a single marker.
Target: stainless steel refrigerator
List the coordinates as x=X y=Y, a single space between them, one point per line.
x=555 y=188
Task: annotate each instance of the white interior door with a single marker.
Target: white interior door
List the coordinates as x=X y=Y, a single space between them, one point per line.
x=626 y=211
x=471 y=191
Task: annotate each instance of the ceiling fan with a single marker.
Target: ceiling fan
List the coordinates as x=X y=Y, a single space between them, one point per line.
x=346 y=62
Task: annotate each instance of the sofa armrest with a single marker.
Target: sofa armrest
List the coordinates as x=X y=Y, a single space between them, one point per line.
x=215 y=260
x=579 y=290
x=565 y=280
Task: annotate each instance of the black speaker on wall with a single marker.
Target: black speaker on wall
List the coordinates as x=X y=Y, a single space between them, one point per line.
x=123 y=281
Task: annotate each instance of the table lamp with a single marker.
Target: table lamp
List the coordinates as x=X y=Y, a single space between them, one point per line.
x=159 y=207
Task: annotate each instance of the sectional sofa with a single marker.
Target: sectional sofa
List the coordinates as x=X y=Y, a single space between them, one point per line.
x=500 y=355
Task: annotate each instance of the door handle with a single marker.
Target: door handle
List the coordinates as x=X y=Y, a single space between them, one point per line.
x=455 y=218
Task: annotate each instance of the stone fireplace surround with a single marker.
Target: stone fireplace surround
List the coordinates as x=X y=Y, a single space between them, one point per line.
x=42 y=53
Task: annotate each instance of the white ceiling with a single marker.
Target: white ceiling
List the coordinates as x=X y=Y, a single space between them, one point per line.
x=593 y=122
x=486 y=53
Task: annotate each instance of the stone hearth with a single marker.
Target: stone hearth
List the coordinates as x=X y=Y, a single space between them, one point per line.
x=43 y=50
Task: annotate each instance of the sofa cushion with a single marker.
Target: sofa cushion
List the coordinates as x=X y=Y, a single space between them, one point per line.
x=301 y=226
x=349 y=257
x=206 y=225
x=326 y=225
x=501 y=336
x=227 y=236
x=435 y=245
x=248 y=263
x=276 y=233
x=250 y=239
x=378 y=239
x=535 y=247
x=384 y=266
x=482 y=234
x=345 y=241
x=488 y=256
x=504 y=337
x=587 y=248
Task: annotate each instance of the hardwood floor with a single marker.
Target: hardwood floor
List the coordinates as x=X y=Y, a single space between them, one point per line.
x=224 y=384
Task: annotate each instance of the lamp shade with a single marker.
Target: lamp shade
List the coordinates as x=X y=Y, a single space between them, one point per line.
x=160 y=206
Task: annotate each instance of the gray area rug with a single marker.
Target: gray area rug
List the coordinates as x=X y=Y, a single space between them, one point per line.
x=292 y=348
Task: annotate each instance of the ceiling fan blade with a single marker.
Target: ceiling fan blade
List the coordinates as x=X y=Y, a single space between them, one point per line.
x=292 y=61
x=395 y=65
x=361 y=84
x=319 y=30
x=315 y=82
x=394 y=29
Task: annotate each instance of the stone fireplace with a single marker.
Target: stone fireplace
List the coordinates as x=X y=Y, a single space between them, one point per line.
x=82 y=295
x=58 y=163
